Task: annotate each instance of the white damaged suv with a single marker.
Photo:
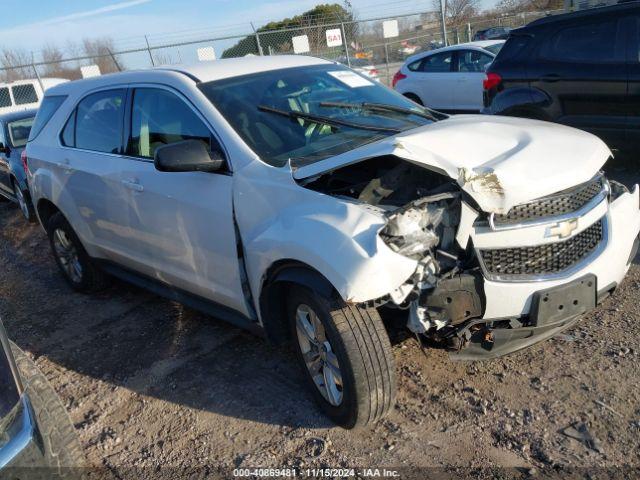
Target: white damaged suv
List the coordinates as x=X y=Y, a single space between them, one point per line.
x=295 y=197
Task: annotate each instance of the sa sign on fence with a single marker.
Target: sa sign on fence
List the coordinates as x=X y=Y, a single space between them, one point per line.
x=334 y=37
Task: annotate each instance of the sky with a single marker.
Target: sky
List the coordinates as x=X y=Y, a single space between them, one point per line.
x=31 y=24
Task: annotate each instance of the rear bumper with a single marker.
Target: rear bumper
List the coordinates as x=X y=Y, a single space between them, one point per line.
x=24 y=447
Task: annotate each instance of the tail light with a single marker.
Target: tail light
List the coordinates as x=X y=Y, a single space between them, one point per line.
x=397 y=77
x=373 y=72
x=491 y=80
x=23 y=159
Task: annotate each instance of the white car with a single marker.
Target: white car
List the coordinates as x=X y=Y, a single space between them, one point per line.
x=450 y=78
x=295 y=197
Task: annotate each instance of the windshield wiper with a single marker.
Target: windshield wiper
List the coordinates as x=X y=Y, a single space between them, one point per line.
x=380 y=107
x=322 y=120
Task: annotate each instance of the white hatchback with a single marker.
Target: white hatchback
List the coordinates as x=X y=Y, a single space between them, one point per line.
x=450 y=78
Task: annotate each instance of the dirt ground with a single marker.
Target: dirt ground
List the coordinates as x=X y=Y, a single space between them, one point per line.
x=157 y=390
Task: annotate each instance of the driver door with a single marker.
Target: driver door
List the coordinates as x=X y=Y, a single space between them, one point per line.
x=181 y=222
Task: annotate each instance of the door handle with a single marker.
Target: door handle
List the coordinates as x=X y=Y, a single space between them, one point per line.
x=133 y=185
x=552 y=77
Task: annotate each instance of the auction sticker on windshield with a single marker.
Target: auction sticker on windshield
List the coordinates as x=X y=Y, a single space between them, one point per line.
x=351 y=79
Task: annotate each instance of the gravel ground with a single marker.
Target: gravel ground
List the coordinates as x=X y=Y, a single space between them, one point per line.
x=156 y=390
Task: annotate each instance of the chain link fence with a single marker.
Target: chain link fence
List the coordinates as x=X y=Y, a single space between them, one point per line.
x=376 y=46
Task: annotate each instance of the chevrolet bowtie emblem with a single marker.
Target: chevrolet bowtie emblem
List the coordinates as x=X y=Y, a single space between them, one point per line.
x=562 y=229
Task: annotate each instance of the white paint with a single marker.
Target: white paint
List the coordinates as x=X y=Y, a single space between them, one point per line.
x=334 y=37
x=206 y=54
x=390 y=29
x=301 y=44
x=351 y=79
x=529 y=158
x=89 y=71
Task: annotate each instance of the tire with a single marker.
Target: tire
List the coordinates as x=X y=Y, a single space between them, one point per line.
x=355 y=345
x=414 y=98
x=24 y=202
x=62 y=449
x=77 y=267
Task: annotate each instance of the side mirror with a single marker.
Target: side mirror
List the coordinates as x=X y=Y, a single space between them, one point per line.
x=187 y=156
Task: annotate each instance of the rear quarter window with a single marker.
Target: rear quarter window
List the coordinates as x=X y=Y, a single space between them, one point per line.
x=48 y=107
x=515 y=45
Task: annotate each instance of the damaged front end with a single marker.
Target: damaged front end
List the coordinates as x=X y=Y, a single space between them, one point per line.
x=422 y=210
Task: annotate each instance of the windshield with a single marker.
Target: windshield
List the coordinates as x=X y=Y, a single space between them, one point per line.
x=19 y=131
x=495 y=48
x=318 y=125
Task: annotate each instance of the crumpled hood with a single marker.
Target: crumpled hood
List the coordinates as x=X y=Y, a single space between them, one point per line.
x=499 y=161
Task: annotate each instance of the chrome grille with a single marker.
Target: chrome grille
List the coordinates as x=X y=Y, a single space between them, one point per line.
x=548 y=259
x=560 y=203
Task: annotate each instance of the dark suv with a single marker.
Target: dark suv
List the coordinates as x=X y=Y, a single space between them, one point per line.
x=581 y=69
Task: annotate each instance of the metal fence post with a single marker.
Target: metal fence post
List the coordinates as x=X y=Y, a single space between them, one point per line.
x=346 y=45
x=33 y=64
x=115 y=62
x=153 y=64
x=468 y=32
x=257 y=34
x=386 y=59
x=444 y=24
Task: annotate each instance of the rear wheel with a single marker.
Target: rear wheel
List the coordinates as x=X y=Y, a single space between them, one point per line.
x=24 y=201
x=78 y=269
x=346 y=356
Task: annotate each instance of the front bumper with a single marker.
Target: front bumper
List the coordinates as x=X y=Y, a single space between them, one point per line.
x=506 y=299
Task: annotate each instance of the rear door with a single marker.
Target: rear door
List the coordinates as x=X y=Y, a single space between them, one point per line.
x=432 y=80
x=470 y=67
x=89 y=166
x=181 y=223
x=582 y=67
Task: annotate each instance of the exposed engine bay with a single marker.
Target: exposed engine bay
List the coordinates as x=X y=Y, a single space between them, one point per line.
x=422 y=210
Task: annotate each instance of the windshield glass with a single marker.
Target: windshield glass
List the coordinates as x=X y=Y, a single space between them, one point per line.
x=19 y=131
x=249 y=102
x=494 y=48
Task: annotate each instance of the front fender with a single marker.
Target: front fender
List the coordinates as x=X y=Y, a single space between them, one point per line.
x=280 y=220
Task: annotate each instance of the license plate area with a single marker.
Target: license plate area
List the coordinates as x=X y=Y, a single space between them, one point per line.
x=564 y=301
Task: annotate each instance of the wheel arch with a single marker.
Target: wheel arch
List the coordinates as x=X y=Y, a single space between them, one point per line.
x=45 y=210
x=272 y=294
x=522 y=101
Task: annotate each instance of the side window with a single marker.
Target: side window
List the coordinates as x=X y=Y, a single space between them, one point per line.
x=415 y=66
x=98 y=121
x=438 y=63
x=473 y=61
x=5 y=98
x=23 y=94
x=589 y=43
x=158 y=118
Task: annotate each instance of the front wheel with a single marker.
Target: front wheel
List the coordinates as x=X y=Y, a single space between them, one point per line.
x=346 y=356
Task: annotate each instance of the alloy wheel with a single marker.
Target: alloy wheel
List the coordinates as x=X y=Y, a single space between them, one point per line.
x=67 y=255
x=318 y=354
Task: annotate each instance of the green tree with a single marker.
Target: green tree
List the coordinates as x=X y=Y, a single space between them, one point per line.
x=276 y=36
